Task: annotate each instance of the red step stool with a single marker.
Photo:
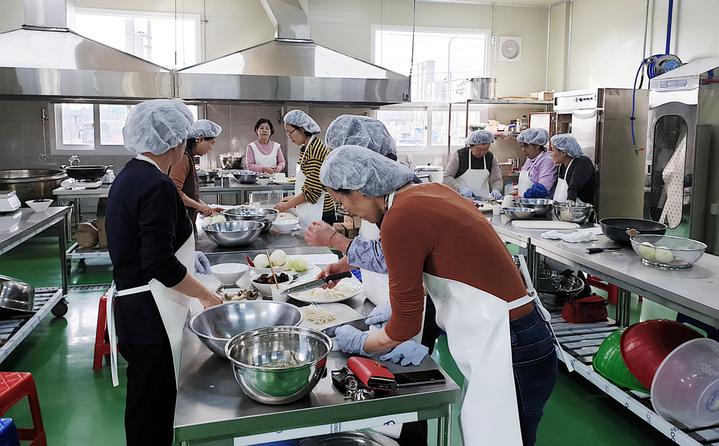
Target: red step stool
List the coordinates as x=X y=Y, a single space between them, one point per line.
x=14 y=387
x=608 y=287
x=102 y=338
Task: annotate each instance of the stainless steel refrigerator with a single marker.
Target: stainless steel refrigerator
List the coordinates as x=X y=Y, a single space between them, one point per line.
x=600 y=121
x=682 y=185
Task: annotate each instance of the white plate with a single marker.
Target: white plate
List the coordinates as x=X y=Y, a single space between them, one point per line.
x=343 y=312
x=345 y=289
x=305 y=276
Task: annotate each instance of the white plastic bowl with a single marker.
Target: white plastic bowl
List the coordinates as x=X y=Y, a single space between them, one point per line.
x=39 y=205
x=266 y=288
x=263 y=181
x=285 y=226
x=229 y=273
x=686 y=385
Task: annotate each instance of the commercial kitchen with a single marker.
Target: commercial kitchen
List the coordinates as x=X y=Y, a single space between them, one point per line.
x=633 y=83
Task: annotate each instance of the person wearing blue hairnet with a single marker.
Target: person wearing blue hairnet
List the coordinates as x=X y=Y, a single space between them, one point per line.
x=152 y=248
x=576 y=177
x=200 y=140
x=310 y=200
x=498 y=338
x=474 y=171
x=539 y=173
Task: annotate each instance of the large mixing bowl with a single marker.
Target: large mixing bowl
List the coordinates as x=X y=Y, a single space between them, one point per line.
x=233 y=233
x=217 y=325
x=253 y=352
x=266 y=216
x=573 y=212
x=519 y=213
x=667 y=252
x=245 y=176
x=542 y=206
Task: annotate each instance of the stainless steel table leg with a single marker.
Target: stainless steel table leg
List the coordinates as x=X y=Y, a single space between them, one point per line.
x=443 y=428
x=533 y=263
x=624 y=307
x=63 y=258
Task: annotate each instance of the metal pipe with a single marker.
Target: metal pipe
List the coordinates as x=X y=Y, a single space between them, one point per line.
x=546 y=63
x=569 y=47
x=669 y=25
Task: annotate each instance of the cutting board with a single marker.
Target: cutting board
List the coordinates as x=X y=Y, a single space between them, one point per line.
x=344 y=314
x=544 y=225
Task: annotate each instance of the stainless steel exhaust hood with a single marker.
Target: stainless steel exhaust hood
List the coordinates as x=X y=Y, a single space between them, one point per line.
x=291 y=68
x=47 y=58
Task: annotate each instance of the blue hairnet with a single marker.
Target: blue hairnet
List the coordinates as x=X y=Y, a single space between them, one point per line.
x=298 y=118
x=204 y=128
x=157 y=126
x=567 y=144
x=358 y=168
x=539 y=137
x=350 y=130
x=479 y=137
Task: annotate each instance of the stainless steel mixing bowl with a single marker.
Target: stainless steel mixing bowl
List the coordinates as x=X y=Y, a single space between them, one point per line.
x=16 y=295
x=252 y=351
x=542 y=206
x=266 y=216
x=217 y=325
x=519 y=213
x=573 y=212
x=233 y=233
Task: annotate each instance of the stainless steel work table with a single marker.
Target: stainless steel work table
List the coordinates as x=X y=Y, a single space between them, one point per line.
x=18 y=228
x=242 y=191
x=691 y=291
x=74 y=197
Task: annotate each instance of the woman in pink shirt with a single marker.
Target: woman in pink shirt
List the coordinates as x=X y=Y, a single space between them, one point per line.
x=264 y=155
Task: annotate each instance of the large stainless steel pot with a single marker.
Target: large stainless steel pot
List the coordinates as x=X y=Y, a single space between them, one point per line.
x=482 y=88
x=31 y=184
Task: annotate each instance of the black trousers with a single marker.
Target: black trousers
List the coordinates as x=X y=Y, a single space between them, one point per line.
x=151 y=394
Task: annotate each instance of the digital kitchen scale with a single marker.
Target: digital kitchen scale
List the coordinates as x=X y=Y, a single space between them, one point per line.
x=9 y=201
x=72 y=183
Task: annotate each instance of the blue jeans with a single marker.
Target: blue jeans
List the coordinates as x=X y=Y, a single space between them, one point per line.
x=534 y=360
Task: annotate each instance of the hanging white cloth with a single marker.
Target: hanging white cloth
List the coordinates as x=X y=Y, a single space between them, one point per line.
x=476 y=179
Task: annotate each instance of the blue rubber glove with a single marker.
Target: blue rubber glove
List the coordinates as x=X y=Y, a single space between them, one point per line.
x=202 y=265
x=379 y=315
x=497 y=195
x=408 y=352
x=351 y=340
x=466 y=191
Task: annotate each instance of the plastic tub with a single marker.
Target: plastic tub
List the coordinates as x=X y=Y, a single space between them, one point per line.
x=609 y=363
x=646 y=344
x=686 y=386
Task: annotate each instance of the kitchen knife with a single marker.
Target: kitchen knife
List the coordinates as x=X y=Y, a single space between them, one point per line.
x=596 y=250
x=359 y=324
x=316 y=283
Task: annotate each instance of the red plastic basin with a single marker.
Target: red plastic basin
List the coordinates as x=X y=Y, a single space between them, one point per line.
x=645 y=345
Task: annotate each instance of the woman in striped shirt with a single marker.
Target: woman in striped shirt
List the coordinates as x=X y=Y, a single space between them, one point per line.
x=310 y=199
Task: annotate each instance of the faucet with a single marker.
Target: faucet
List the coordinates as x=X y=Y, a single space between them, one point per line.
x=74 y=159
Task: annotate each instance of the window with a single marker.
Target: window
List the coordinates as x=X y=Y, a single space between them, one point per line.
x=156 y=37
x=440 y=122
x=75 y=127
x=442 y=58
x=407 y=127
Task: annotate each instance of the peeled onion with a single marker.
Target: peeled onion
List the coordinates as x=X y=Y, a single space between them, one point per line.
x=300 y=264
x=261 y=261
x=278 y=257
x=663 y=255
x=288 y=265
x=647 y=251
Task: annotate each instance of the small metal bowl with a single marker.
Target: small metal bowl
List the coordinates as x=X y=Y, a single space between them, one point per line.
x=573 y=212
x=245 y=176
x=233 y=233
x=542 y=206
x=266 y=216
x=252 y=352
x=217 y=325
x=519 y=213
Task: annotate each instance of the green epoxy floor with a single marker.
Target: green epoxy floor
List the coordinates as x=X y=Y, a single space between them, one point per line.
x=80 y=406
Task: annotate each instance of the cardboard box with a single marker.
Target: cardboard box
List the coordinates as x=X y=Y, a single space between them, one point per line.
x=542 y=95
x=352 y=233
x=352 y=222
x=339 y=227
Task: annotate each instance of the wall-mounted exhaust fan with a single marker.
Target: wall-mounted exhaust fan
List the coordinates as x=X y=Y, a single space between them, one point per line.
x=510 y=49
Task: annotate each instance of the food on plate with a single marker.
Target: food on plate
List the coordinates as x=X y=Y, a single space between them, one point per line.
x=261 y=261
x=268 y=279
x=318 y=315
x=663 y=255
x=278 y=257
x=343 y=290
x=238 y=294
x=300 y=264
x=647 y=251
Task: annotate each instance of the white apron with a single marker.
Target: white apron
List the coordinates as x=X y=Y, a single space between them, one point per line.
x=306 y=212
x=265 y=160
x=476 y=179
x=560 y=193
x=173 y=306
x=525 y=183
